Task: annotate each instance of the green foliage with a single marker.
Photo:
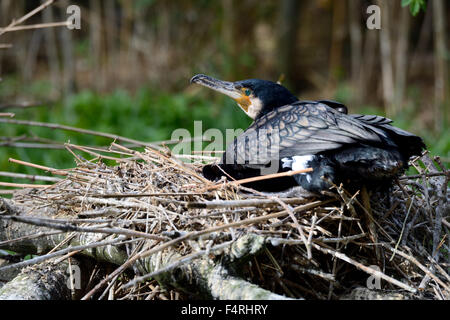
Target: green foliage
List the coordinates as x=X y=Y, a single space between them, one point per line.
x=143 y=4
x=7 y=253
x=30 y=256
x=415 y=5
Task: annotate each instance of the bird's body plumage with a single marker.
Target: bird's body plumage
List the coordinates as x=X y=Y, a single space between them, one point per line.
x=319 y=135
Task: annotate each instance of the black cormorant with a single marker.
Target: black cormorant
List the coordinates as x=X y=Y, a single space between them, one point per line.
x=288 y=134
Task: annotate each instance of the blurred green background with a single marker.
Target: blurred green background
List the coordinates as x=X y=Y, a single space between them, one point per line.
x=127 y=70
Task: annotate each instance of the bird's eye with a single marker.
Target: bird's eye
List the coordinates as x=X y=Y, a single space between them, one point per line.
x=247 y=92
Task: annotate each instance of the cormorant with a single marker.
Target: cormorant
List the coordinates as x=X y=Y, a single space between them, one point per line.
x=288 y=134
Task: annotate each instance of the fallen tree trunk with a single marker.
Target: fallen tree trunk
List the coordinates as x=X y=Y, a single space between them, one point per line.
x=203 y=276
x=44 y=281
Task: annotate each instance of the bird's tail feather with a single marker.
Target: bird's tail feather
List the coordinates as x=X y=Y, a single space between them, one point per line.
x=408 y=143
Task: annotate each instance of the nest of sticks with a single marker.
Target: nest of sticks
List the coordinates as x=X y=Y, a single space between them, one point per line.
x=172 y=234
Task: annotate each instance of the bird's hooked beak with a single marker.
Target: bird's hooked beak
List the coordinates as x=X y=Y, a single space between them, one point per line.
x=231 y=89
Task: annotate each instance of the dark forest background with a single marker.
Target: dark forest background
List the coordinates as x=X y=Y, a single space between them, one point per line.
x=127 y=70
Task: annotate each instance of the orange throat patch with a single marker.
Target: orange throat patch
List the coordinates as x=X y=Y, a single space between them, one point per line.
x=244 y=102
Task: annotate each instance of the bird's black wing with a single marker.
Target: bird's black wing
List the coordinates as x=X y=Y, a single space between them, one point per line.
x=372 y=119
x=409 y=144
x=302 y=128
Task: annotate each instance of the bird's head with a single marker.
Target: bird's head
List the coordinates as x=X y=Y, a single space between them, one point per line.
x=256 y=97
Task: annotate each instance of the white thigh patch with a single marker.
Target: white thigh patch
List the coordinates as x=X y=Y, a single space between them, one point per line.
x=298 y=163
x=301 y=162
x=287 y=163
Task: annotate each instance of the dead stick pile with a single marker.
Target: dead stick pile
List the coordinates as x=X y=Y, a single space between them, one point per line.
x=176 y=235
